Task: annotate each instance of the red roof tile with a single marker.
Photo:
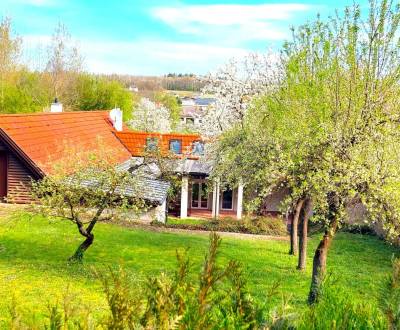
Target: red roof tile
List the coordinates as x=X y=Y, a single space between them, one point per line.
x=42 y=136
x=136 y=141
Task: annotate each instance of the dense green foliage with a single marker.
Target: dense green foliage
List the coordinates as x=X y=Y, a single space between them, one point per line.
x=98 y=93
x=328 y=131
x=171 y=102
x=249 y=225
x=25 y=91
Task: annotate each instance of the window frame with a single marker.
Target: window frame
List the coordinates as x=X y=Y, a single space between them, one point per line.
x=180 y=146
x=151 y=138
x=193 y=149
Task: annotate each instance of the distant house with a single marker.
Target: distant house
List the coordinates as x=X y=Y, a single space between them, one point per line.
x=188 y=101
x=193 y=109
x=190 y=115
x=133 y=88
x=204 y=102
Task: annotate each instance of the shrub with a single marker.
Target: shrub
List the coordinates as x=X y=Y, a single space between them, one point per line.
x=249 y=225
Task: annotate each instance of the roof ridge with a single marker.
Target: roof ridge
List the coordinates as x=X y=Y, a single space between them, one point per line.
x=50 y=113
x=158 y=133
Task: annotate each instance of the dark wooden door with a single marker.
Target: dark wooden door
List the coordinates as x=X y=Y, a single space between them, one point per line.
x=3 y=174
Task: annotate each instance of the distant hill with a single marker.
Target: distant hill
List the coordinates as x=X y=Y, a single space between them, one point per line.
x=172 y=81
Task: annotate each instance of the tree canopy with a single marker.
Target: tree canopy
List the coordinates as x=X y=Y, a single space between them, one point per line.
x=328 y=130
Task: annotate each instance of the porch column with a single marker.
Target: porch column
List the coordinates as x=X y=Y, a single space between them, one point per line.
x=214 y=200
x=239 y=209
x=215 y=206
x=184 y=196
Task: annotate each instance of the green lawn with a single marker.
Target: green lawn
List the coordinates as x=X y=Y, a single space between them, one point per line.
x=33 y=265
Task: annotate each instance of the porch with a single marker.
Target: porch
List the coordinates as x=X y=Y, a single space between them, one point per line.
x=201 y=198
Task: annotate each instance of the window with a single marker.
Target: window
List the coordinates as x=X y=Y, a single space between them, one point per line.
x=198 y=148
x=199 y=195
x=151 y=144
x=175 y=146
x=227 y=199
x=190 y=121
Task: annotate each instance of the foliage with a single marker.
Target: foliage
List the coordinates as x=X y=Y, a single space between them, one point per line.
x=249 y=225
x=23 y=93
x=9 y=52
x=234 y=86
x=97 y=93
x=172 y=104
x=328 y=131
x=181 y=82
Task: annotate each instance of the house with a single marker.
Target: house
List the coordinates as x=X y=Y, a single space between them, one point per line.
x=188 y=101
x=190 y=115
x=193 y=109
x=30 y=143
x=198 y=196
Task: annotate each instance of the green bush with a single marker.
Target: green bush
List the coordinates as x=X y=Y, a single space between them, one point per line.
x=249 y=225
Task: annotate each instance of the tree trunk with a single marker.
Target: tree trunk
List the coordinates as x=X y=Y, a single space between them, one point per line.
x=305 y=215
x=294 y=247
x=78 y=255
x=319 y=262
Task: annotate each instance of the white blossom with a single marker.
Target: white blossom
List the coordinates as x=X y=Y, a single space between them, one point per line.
x=233 y=87
x=151 y=117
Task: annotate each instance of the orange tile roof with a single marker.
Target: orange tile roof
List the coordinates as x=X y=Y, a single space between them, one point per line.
x=136 y=141
x=41 y=136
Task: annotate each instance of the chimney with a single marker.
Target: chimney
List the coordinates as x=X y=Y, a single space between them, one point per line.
x=55 y=106
x=116 y=118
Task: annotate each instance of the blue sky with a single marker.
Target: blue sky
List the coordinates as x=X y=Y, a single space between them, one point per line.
x=156 y=37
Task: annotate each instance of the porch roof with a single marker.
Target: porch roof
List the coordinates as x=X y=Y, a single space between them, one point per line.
x=184 y=166
x=191 y=166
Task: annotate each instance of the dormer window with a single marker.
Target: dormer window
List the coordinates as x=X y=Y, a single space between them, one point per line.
x=175 y=146
x=151 y=144
x=198 y=148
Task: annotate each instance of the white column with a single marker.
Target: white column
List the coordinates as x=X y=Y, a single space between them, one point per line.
x=184 y=196
x=214 y=200
x=217 y=193
x=239 y=208
x=161 y=212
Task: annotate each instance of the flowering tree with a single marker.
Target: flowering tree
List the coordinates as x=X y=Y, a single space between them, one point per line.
x=329 y=132
x=86 y=188
x=151 y=117
x=233 y=87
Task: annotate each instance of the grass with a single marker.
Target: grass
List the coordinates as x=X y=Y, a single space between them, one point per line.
x=187 y=221
x=33 y=267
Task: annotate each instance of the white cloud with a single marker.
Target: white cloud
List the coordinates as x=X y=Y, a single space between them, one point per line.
x=228 y=14
x=36 y=3
x=229 y=22
x=155 y=57
x=146 y=57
